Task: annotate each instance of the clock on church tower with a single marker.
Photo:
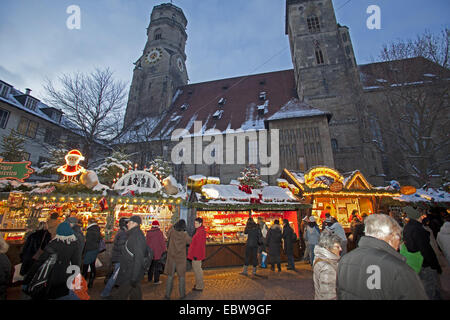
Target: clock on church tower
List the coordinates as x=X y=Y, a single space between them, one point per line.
x=161 y=68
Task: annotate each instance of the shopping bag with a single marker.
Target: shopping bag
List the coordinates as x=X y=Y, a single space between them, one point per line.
x=80 y=287
x=414 y=260
x=17 y=277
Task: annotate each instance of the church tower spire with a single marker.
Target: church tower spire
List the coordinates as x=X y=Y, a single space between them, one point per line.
x=161 y=67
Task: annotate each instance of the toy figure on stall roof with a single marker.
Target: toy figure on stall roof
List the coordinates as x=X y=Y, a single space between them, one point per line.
x=72 y=168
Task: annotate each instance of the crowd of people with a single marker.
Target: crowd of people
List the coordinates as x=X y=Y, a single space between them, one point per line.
x=397 y=256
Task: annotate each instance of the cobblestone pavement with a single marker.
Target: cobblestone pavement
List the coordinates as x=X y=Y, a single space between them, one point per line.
x=227 y=284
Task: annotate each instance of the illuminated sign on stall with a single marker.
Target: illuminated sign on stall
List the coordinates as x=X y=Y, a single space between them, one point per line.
x=15 y=170
x=322 y=177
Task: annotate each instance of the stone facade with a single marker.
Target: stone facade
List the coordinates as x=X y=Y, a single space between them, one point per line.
x=327 y=77
x=161 y=68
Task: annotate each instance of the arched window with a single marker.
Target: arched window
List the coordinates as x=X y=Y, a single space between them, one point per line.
x=319 y=56
x=313 y=23
x=158 y=34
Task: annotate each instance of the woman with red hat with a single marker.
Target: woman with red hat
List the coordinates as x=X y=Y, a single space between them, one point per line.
x=157 y=242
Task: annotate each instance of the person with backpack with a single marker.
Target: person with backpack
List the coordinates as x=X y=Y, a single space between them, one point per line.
x=5 y=269
x=312 y=234
x=33 y=247
x=48 y=276
x=178 y=239
x=254 y=238
x=274 y=243
x=157 y=242
x=119 y=242
x=289 y=238
x=91 y=250
x=132 y=262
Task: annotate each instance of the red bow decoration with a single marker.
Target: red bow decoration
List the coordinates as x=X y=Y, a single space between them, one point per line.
x=245 y=188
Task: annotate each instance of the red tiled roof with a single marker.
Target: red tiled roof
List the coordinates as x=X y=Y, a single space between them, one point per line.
x=241 y=100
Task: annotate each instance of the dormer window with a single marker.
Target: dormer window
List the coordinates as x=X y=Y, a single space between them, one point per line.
x=313 y=24
x=31 y=103
x=218 y=114
x=4 y=89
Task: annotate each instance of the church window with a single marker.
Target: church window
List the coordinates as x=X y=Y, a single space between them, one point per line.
x=319 y=56
x=158 y=34
x=344 y=37
x=313 y=24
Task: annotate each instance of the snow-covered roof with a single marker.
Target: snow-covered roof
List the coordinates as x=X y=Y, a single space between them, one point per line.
x=296 y=109
x=422 y=195
x=231 y=194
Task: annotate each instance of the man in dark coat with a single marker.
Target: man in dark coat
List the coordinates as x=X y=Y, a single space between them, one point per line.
x=416 y=238
x=65 y=246
x=375 y=270
x=254 y=239
x=119 y=243
x=274 y=242
x=131 y=270
x=91 y=249
x=35 y=241
x=289 y=238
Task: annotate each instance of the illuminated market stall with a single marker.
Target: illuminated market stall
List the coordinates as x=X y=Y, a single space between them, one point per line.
x=329 y=191
x=225 y=210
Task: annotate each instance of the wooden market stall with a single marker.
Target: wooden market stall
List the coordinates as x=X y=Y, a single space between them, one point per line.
x=329 y=191
x=225 y=210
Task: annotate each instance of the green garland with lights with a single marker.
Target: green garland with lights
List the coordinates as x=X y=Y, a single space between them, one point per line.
x=248 y=206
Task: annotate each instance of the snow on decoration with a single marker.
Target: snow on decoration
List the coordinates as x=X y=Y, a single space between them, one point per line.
x=250 y=177
x=57 y=156
x=160 y=168
x=283 y=183
x=113 y=167
x=72 y=168
x=170 y=185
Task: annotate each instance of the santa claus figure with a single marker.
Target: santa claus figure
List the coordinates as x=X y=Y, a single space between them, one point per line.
x=71 y=169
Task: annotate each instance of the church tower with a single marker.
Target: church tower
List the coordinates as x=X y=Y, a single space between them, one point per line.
x=161 y=68
x=327 y=77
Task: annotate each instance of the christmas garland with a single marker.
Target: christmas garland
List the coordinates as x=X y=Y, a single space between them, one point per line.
x=248 y=206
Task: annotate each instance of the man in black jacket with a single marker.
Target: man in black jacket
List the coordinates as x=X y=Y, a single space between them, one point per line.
x=289 y=238
x=131 y=270
x=375 y=270
x=416 y=238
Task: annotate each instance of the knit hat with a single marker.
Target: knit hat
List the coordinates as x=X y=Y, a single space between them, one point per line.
x=312 y=219
x=65 y=233
x=136 y=219
x=72 y=220
x=155 y=223
x=412 y=213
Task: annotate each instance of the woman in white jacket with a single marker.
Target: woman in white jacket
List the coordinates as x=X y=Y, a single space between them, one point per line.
x=326 y=265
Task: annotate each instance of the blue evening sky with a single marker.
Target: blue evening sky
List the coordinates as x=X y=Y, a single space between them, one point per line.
x=226 y=38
